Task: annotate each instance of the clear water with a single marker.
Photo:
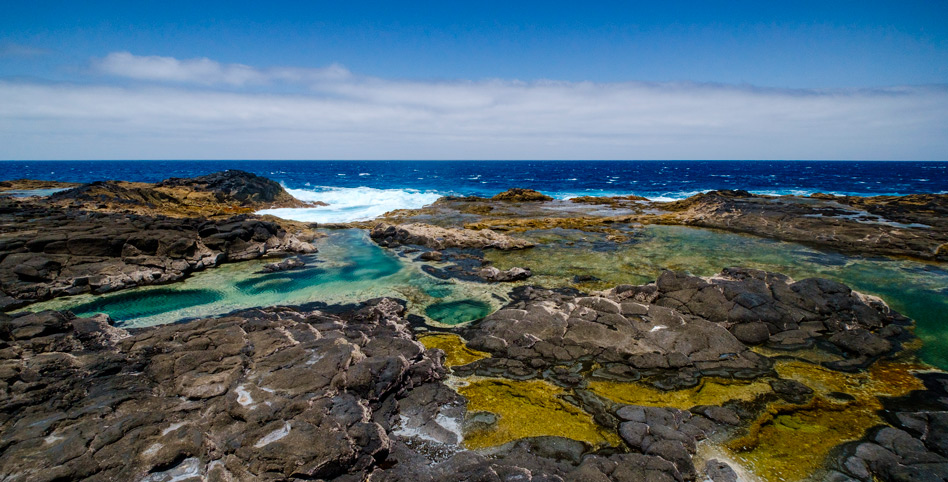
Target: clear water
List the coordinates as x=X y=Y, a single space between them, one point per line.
x=457 y=312
x=348 y=268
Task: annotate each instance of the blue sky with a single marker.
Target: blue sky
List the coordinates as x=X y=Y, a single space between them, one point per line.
x=436 y=79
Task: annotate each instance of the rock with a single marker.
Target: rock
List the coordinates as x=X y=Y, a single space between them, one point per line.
x=437 y=238
x=753 y=333
x=760 y=307
x=46 y=252
x=914 y=225
x=286 y=264
x=791 y=390
x=220 y=193
x=521 y=195
x=491 y=273
x=719 y=471
x=546 y=327
x=263 y=393
x=862 y=342
x=431 y=256
x=235 y=185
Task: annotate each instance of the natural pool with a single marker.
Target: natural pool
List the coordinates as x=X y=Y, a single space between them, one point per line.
x=348 y=268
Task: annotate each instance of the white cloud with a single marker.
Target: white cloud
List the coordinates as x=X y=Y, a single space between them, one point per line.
x=341 y=116
x=205 y=71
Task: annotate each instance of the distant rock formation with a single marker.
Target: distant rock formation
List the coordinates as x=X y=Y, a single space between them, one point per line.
x=521 y=195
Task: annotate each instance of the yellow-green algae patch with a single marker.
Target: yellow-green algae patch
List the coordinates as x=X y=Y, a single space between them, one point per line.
x=791 y=442
x=530 y=408
x=710 y=391
x=455 y=349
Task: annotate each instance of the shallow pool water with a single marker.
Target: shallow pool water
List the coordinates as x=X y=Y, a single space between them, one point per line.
x=348 y=268
x=457 y=312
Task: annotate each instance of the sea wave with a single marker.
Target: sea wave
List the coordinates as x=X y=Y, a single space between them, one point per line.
x=347 y=204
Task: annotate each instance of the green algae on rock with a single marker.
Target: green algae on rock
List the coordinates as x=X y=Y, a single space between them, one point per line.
x=455 y=349
x=531 y=408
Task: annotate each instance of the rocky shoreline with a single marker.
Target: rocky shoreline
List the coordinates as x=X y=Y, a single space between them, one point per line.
x=47 y=250
x=745 y=375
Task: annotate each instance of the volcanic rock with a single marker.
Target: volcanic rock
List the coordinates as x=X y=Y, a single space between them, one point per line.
x=437 y=238
x=521 y=195
x=47 y=252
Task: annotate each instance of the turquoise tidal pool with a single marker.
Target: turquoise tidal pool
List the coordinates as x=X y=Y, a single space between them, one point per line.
x=349 y=267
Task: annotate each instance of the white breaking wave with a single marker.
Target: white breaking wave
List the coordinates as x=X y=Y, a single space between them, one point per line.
x=347 y=204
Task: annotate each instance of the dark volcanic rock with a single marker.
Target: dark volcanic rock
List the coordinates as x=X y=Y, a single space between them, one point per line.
x=437 y=238
x=272 y=394
x=915 y=225
x=243 y=187
x=220 y=193
x=761 y=307
x=913 y=447
x=544 y=328
x=521 y=195
x=47 y=252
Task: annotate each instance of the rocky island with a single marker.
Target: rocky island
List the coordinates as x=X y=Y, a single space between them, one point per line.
x=562 y=369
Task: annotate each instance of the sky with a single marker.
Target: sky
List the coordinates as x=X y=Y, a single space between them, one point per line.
x=474 y=80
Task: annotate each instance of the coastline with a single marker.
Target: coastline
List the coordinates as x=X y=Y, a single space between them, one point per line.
x=583 y=350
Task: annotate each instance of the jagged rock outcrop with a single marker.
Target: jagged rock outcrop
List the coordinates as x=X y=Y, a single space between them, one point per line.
x=438 y=238
x=45 y=253
x=245 y=188
x=521 y=195
x=221 y=193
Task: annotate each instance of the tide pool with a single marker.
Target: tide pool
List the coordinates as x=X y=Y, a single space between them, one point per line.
x=348 y=268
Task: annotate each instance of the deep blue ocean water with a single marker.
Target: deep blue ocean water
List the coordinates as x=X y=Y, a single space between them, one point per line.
x=364 y=189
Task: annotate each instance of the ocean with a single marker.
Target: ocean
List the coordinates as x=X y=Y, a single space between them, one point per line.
x=360 y=190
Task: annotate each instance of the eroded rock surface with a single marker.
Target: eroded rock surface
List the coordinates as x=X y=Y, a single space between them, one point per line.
x=760 y=307
x=915 y=225
x=45 y=253
x=437 y=238
x=272 y=394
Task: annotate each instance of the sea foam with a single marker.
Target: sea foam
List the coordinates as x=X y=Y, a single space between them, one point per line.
x=351 y=204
